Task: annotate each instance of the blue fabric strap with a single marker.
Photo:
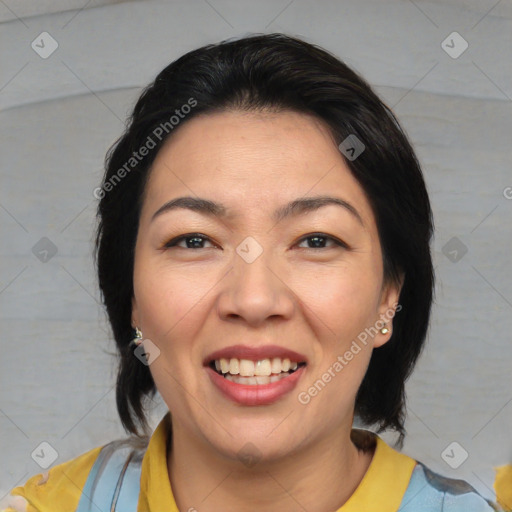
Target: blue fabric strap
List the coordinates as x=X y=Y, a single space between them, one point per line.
x=429 y=491
x=113 y=484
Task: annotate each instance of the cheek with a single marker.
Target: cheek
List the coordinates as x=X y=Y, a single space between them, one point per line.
x=344 y=299
x=167 y=298
x=347 y=301
x=170 y=304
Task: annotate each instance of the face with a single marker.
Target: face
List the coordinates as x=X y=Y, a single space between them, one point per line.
x=252 y=281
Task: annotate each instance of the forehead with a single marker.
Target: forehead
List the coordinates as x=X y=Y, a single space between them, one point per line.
x=249 y=160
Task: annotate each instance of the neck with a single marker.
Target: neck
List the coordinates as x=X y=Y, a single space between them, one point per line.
x=207 y=481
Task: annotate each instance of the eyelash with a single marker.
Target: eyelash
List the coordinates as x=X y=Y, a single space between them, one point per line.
x=173 y=243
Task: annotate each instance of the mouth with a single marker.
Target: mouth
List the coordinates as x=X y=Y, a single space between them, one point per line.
x=255 y=373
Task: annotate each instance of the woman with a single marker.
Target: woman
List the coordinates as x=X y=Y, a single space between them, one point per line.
x=263 y=255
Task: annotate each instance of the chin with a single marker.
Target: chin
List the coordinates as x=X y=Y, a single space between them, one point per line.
x=251 y=443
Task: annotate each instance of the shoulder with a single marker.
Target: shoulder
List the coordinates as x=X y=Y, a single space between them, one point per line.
x=60 y=488
x=55 y=490
x=431 y=492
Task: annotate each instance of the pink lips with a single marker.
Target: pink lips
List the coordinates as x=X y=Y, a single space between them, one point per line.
x=255 y=395
x=264 y=394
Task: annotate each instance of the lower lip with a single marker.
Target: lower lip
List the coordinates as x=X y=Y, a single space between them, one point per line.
x=264 y=394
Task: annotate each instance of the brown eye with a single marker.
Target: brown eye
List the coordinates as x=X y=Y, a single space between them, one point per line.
x=319 y=240
x=192 y=241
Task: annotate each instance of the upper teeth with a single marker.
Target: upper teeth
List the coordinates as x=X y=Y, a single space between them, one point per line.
x=248 y=368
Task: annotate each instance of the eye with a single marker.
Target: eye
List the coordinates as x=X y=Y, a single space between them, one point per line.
x=320 y=239
x=197 y=240
x=192 y=241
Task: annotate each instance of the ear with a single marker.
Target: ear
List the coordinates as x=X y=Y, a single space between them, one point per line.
x=387 y=309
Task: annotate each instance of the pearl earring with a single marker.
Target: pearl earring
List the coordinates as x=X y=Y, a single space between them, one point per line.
x=138 y=337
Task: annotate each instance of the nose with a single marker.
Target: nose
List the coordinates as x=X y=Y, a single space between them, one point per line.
x=256 y=291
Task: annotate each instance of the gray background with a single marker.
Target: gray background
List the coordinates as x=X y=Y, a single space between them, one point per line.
x=60 y=114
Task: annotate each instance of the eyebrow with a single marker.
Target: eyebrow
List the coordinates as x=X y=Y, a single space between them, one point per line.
x=293 y=208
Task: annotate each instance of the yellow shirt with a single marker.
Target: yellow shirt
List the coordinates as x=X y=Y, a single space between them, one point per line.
x=384 y=483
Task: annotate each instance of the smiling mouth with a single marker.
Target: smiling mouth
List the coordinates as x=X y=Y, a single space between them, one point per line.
x=255 y=373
